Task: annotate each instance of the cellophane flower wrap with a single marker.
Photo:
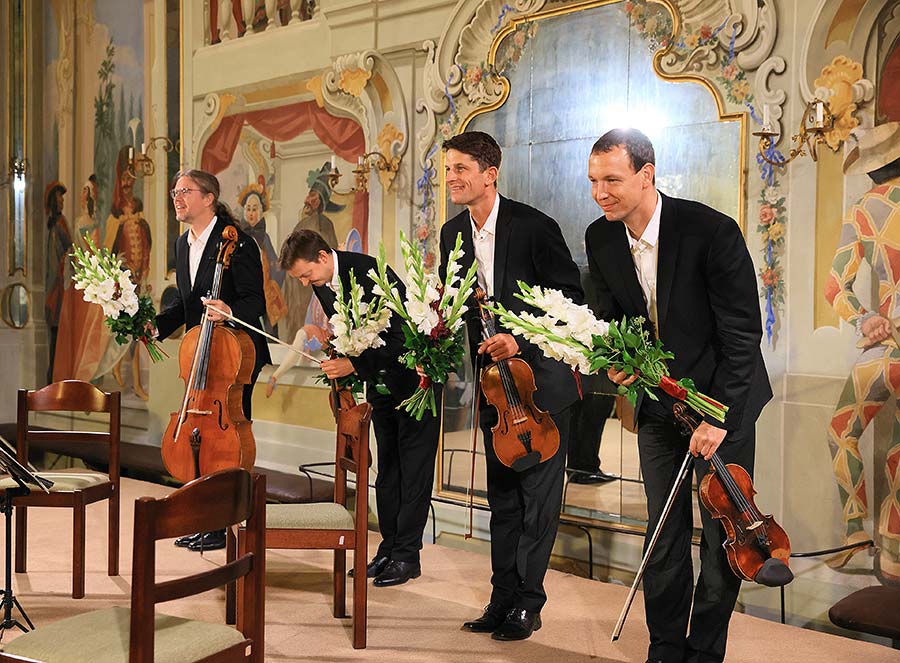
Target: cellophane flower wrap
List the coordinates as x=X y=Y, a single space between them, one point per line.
x=103 y=280
x=432 y=314
x=356 y=326
x=570 y=333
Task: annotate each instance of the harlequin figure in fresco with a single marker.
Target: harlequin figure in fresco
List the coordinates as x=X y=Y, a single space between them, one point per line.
x=59 y=245
x=254 y=199
x=870 y=233
x=318 y=201
x=128 y=235
x=83 y=334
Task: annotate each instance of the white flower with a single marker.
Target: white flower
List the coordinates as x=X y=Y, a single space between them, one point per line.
x=422 y=315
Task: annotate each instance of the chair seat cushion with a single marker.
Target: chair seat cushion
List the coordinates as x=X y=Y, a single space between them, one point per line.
x=324 y=515
x=101 y=636
x=64 y=480
x=874 y=610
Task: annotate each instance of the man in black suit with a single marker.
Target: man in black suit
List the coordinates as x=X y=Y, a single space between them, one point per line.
x=406 y=448
x=511 y=241
x=196 y=199
x=685 y=268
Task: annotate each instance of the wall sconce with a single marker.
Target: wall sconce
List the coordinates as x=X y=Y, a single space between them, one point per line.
x=142 y=165
x=17 y=172
x=815 y=122
x=365 y=163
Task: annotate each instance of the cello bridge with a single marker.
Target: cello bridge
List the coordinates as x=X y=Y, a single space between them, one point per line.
x=753 y=526
x=520 y=420
x=199 y=411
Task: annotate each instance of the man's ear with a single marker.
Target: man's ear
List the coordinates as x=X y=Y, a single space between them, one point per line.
x=323 y=256
x=492 y=173
x=648 y=171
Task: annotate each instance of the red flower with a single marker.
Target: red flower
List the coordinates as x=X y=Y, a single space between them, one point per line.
x=705 y=31
x=429 y=260
x=766 y=214
x=769 y=278
x=629 y=7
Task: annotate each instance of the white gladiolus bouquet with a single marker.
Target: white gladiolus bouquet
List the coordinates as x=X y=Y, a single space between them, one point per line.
x=570 y=333
x=432 y=314
x=129 y=316
x=357 y=325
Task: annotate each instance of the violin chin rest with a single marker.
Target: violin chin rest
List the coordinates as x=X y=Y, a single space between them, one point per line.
x=773 y=573
x=527 y=461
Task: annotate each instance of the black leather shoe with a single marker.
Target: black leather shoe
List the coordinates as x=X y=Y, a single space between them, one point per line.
x=493 y=616
x=374 y=567
x=209 y=541
x=185 y=541
x=591 y=477
x=397 y=573
x=518 y=625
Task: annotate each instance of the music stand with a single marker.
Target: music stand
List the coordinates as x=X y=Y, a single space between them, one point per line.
x=24 y=477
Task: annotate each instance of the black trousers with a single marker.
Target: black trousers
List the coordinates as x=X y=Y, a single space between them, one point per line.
x=524 y=519
x=668 y=578
x=247 y=394
x=589 y=416
x=406 y=451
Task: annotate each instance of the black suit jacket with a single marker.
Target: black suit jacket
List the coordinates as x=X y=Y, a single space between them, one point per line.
x=242 y=287
x=706 y=303
x=401 y=381
x=528 y=247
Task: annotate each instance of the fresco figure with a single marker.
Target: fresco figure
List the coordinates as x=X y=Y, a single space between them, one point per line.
x=59 y=246
x=318 y=201
x=254 y=199
x=83 y=334
x=870 y=234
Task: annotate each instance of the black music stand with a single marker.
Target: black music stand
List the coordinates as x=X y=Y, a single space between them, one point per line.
x=25 y=478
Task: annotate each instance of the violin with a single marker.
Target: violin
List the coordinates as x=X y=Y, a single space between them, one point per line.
x=758 y=548
x=210 y=432
x=524 y=435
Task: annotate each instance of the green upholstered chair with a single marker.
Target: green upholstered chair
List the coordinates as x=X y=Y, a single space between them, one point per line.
x=75 y=489
x=331 y=525
x=139 y=634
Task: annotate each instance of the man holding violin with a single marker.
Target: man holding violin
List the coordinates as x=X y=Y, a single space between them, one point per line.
x=195 y=196
x=685 y=268
x=406 y=448
x=511 y=241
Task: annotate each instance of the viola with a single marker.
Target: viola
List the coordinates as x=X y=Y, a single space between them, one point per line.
x=210 y=432
x=757 y=547
x=524 y=435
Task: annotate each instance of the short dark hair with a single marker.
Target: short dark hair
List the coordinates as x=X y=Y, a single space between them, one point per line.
x=636 y=144
x=480 y=146
x=886 y=173
x=302 y=244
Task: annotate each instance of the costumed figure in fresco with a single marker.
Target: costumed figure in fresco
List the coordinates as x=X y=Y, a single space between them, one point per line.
x=59 y=245
x=127 y=235
x=318 y=201
x=83 y=334
x=254 y=199
x=870 y=233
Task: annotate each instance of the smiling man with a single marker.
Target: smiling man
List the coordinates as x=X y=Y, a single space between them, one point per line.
x=685 y=268
x=511 y=241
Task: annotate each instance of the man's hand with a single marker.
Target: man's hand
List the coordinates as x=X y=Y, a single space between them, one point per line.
x=620 y=377
x=876 y=329
x=706 y=439
x=316 y=332
x=337 y=368
x=270 y=386
x=215 y=316
x=499 y=346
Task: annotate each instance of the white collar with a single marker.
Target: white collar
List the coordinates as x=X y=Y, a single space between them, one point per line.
x=650 y=236
x=204 y=236
x=490 y=225
x=335 y=277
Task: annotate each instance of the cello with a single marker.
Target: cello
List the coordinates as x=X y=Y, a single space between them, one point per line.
x=524 y=435
x=210 y=432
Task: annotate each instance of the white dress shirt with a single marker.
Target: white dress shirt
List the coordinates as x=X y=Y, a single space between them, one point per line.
x=484 y=240
x=645 y=254
x=196 y=247
x=335 y=278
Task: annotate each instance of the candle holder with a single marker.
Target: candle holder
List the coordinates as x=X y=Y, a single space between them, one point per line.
x=141 y=165
x=364 y=164
x=17 y=170
x=816 y=121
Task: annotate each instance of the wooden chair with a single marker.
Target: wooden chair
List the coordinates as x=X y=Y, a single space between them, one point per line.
x=330 y=525
x=72 y=489
x=139 y=634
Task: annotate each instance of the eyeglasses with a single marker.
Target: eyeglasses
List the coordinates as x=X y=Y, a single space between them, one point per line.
x=181 y=192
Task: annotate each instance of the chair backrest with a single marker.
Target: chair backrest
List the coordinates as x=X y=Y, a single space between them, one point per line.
x=70 y=396
x=210 y=502
x=352 y=451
